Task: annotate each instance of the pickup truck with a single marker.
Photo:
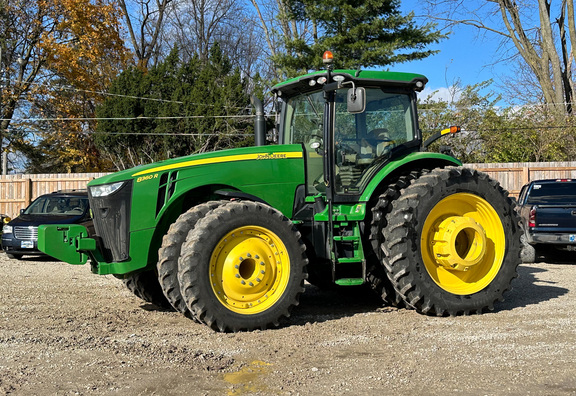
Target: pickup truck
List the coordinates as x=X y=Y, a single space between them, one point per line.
x=548 y=212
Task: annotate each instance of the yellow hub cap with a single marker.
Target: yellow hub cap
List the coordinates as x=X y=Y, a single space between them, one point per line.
x=249 y=270
x=463 y=243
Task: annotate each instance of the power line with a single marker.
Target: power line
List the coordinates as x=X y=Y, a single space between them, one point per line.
x=535 y=127
x=74 y=89
x=120 y=118
x=138 y=133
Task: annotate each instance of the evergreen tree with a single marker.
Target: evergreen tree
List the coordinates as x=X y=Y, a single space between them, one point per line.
x=175 y=109
x=360 y=33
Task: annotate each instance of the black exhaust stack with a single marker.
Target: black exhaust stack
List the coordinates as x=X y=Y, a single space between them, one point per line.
x=259 y=122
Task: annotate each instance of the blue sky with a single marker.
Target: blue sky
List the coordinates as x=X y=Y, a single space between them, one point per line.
x=465 y=56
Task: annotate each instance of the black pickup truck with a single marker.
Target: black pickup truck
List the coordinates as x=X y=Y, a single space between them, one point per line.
x=548 y=212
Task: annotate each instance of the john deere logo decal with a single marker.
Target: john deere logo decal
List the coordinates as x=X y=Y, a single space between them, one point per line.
x=268 y=156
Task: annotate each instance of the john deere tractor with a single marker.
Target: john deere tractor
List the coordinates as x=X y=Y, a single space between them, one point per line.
x=348 y=196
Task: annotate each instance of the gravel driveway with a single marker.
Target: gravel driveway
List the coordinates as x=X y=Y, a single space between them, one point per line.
x=65 y=331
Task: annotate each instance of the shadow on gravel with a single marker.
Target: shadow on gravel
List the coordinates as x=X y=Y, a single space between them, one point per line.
x=321 y=305
x=528 y=290
x=30 y=258
x=551 y=255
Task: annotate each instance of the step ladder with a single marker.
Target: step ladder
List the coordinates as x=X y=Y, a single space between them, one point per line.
x=348 y=262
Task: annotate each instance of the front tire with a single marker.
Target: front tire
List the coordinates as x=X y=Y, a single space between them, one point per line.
x=145 y=286
x=242 y=267
x=169 y=253
x=452 y=244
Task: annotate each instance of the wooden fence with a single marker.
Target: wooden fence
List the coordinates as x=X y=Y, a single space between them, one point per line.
x=18 y=191
x=512 y=176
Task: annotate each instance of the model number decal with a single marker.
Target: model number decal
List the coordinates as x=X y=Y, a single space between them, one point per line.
x=147 y=177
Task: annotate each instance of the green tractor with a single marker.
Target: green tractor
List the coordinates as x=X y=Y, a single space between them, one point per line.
x=348 y=196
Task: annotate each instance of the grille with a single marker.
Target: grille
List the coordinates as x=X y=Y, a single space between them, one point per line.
x=27 y=233
x=112 y=222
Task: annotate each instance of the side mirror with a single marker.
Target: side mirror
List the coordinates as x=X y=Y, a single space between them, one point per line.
x=356 y=100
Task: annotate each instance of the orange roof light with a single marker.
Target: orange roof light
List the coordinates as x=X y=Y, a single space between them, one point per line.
x=327 y=57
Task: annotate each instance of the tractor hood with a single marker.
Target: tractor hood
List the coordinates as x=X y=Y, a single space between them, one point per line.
x=268 y=174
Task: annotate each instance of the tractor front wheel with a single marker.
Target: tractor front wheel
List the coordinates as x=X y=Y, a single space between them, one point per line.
x=242 y=267
x=145 y=286
x=169 y=253
x=452 y=244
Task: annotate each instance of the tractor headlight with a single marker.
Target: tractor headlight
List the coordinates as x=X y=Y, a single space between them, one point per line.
x=7 y=229
x=105 y=189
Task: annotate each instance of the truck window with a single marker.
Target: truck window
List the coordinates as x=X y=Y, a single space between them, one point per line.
x=552 y=193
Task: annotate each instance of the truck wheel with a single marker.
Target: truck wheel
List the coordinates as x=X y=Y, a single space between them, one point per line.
x=169 y=253
x=145 y=285
x=452 y=243
x=242 y=267
x=375 y=273
x=528 y=253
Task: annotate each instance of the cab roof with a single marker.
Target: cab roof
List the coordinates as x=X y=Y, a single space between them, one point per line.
x=312 y=81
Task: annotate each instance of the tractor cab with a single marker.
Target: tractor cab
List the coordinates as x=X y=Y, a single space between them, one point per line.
x=350 y=123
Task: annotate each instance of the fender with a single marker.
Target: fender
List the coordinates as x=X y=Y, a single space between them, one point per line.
x=240 y=195
x=418 y=160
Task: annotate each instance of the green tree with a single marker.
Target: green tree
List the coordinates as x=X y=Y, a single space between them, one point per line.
x=174 y=109
x=473 y=111
x=496 y=134
x=360 y=33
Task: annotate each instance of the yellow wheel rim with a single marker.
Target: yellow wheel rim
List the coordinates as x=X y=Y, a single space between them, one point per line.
x=249 y=270
x=463 y=243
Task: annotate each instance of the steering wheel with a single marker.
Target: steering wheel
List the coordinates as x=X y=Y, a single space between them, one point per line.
x=379 y=135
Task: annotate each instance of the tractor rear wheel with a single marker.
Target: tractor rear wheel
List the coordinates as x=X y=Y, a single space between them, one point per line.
x=145 y=286
x=452 y=244
x=376 y=223
x=169 y=253
x=242 y=267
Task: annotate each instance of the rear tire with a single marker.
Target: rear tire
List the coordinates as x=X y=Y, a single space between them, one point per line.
x=452 y=244
x=242 y=267
x=377 y=222
x=145 y=286
x=169 y=253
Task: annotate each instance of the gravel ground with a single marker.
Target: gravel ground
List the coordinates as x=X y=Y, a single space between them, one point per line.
x=65 y=331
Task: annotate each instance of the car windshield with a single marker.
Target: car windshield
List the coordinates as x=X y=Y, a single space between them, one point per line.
x=553 y=193
x=72 y=206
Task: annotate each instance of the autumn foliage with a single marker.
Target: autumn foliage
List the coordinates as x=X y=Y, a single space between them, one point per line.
x=65 y=55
